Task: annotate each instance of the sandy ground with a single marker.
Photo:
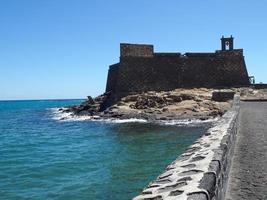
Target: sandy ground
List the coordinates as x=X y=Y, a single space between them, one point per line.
x=248 y=175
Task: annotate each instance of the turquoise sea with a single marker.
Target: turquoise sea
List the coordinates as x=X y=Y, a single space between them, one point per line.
x=45 y=158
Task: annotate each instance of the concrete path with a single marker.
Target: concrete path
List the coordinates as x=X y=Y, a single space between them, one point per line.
x=248 y=175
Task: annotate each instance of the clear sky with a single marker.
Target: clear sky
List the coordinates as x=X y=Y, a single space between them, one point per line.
x=62 y=48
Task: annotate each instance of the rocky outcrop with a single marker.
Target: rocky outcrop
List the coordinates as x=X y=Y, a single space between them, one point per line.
x=200 y=103
x=169 y=105
x=176 y=104
x=91 y=106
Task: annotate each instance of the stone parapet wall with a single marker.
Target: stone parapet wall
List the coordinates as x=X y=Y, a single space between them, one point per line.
x=201 y=172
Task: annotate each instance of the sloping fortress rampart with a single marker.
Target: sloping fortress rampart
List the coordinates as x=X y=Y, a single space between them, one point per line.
x=141 y=69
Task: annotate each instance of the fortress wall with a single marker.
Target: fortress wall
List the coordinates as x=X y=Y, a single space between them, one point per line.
x=140 y=70
x=199 y=71
x=233 y=68
x=170 y=71
x=137 y=74
x=112 y=77
x=218 y=70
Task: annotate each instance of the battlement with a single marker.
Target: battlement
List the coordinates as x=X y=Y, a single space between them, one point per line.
x=199 y=54
x=147 y=50
x=136 y=50
x=167 y=54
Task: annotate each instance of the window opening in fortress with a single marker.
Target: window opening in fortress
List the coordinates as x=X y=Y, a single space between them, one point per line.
x=227 y=45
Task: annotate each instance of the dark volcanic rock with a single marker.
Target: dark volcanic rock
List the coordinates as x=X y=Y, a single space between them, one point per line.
x=144 y=102
x=175 y=98
x=90 y=100
x=91 y=106
x=222 y=95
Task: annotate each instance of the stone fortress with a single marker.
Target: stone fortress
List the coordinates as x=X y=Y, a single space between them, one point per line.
x=140 y=69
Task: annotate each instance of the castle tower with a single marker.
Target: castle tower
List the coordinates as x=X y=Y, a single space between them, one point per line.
x=227 y=43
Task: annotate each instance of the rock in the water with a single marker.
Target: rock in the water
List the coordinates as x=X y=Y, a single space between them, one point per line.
x=90 y=100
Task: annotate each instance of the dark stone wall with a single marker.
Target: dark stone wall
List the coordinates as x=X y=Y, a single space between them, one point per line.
x=168 y=71
x=112 y=77
x=144 y=74
x=136 y=50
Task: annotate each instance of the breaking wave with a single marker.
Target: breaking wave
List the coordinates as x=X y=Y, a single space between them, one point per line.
x=68 y=116
x=183 y=122
x=62 y=116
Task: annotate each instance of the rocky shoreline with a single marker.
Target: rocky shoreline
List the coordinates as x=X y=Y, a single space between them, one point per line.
x=179 y=104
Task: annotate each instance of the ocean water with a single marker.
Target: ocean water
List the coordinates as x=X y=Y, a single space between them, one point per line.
x=42 y=157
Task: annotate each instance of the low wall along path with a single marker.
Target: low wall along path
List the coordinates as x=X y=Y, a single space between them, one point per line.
x=201 y=173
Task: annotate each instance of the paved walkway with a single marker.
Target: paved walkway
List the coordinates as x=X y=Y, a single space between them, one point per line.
x=248 y=175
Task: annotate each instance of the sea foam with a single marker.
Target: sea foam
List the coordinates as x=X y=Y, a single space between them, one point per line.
x=62 y=116
x=184 y=122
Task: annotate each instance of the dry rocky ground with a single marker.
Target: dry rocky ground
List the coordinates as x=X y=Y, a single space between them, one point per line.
x=196 y=103
x=176 y=104
x=251 y=94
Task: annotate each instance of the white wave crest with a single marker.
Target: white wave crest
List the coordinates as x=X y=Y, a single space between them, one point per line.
x=120 y=121
x=184 y=122
x=61 y=115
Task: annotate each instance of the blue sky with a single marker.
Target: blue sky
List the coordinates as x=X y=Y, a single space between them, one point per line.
x=62 y=48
